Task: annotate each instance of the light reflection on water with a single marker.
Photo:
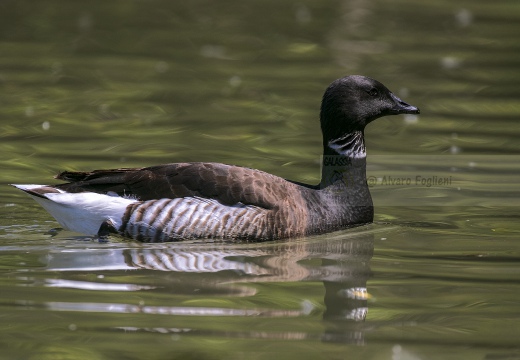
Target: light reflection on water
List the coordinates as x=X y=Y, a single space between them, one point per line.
x=86 y=285
x=164 y=310
x=342 y=266
x=340 y=263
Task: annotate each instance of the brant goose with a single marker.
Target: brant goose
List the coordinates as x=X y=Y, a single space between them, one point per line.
x=180 y=201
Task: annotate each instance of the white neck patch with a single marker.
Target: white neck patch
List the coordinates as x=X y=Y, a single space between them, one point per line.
x=351 y=145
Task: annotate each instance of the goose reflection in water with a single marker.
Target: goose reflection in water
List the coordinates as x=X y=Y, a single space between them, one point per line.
x=340 y=261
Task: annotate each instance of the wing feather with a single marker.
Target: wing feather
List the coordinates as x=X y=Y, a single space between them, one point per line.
x=226 y=183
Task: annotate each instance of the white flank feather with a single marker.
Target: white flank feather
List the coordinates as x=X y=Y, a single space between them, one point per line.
x=80 y=212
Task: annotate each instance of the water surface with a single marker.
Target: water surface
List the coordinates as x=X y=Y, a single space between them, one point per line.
x=136 y=83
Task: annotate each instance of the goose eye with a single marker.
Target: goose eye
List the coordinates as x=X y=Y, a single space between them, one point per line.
x=373 y=92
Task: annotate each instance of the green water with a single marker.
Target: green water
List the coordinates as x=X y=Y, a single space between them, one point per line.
x=133 y=83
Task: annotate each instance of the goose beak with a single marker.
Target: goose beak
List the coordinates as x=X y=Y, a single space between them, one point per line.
x=400 y=107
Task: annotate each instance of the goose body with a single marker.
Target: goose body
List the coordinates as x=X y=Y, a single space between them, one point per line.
x=180 y=201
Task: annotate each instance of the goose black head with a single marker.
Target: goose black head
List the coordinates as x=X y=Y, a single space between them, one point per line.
x=352 y=102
